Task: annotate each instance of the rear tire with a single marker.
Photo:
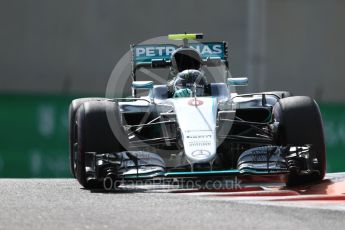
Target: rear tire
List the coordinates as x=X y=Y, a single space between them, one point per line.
x=300 y=123
x=72 y=126
x=94 y=134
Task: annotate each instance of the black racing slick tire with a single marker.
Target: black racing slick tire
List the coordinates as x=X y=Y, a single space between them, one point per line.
x=72 y=126
x=300 y=123
x=95 y=134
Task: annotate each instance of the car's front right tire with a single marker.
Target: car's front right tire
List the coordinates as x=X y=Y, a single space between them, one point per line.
x=72 y=127
x=95 y=134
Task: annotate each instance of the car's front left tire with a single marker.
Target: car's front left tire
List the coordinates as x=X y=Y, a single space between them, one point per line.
x=300 y=123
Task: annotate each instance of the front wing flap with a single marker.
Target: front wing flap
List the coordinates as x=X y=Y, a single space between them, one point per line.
x=260 y=161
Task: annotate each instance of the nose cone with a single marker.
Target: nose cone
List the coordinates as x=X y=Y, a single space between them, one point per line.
x=197 y=122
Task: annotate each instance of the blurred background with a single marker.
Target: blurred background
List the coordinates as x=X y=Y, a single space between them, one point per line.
x=54 y=51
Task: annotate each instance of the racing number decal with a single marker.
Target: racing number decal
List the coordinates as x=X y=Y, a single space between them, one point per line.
x=195 y=102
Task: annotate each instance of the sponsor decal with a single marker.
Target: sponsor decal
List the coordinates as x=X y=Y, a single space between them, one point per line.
x=201 y=154
x=199 y=136
x=154 y=51
x=199 y=143
x=198 y=140
x=143 y=53
x=195 y=102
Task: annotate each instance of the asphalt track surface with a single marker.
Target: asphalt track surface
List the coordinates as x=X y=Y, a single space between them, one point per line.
x=63 y=204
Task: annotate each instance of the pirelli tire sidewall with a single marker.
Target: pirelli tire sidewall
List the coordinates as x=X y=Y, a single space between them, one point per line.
x=300 y=123
x=71 y=126
x=94 y=133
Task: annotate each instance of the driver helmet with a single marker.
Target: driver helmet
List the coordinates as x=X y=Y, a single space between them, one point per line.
x=185 y=58
x=191 y=79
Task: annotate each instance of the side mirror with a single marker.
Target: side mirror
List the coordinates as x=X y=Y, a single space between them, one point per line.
x=238 y=81
x=142 y=84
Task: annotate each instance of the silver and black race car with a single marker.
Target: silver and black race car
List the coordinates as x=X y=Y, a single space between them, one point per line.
x=192 y=128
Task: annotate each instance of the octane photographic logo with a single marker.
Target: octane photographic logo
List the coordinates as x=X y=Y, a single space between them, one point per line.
x=159 y=48
x=234 y=184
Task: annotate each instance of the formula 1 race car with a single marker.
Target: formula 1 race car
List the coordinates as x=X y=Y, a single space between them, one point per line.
x=193 y=128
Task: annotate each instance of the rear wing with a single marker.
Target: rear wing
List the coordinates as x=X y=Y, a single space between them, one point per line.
x=159 y=55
